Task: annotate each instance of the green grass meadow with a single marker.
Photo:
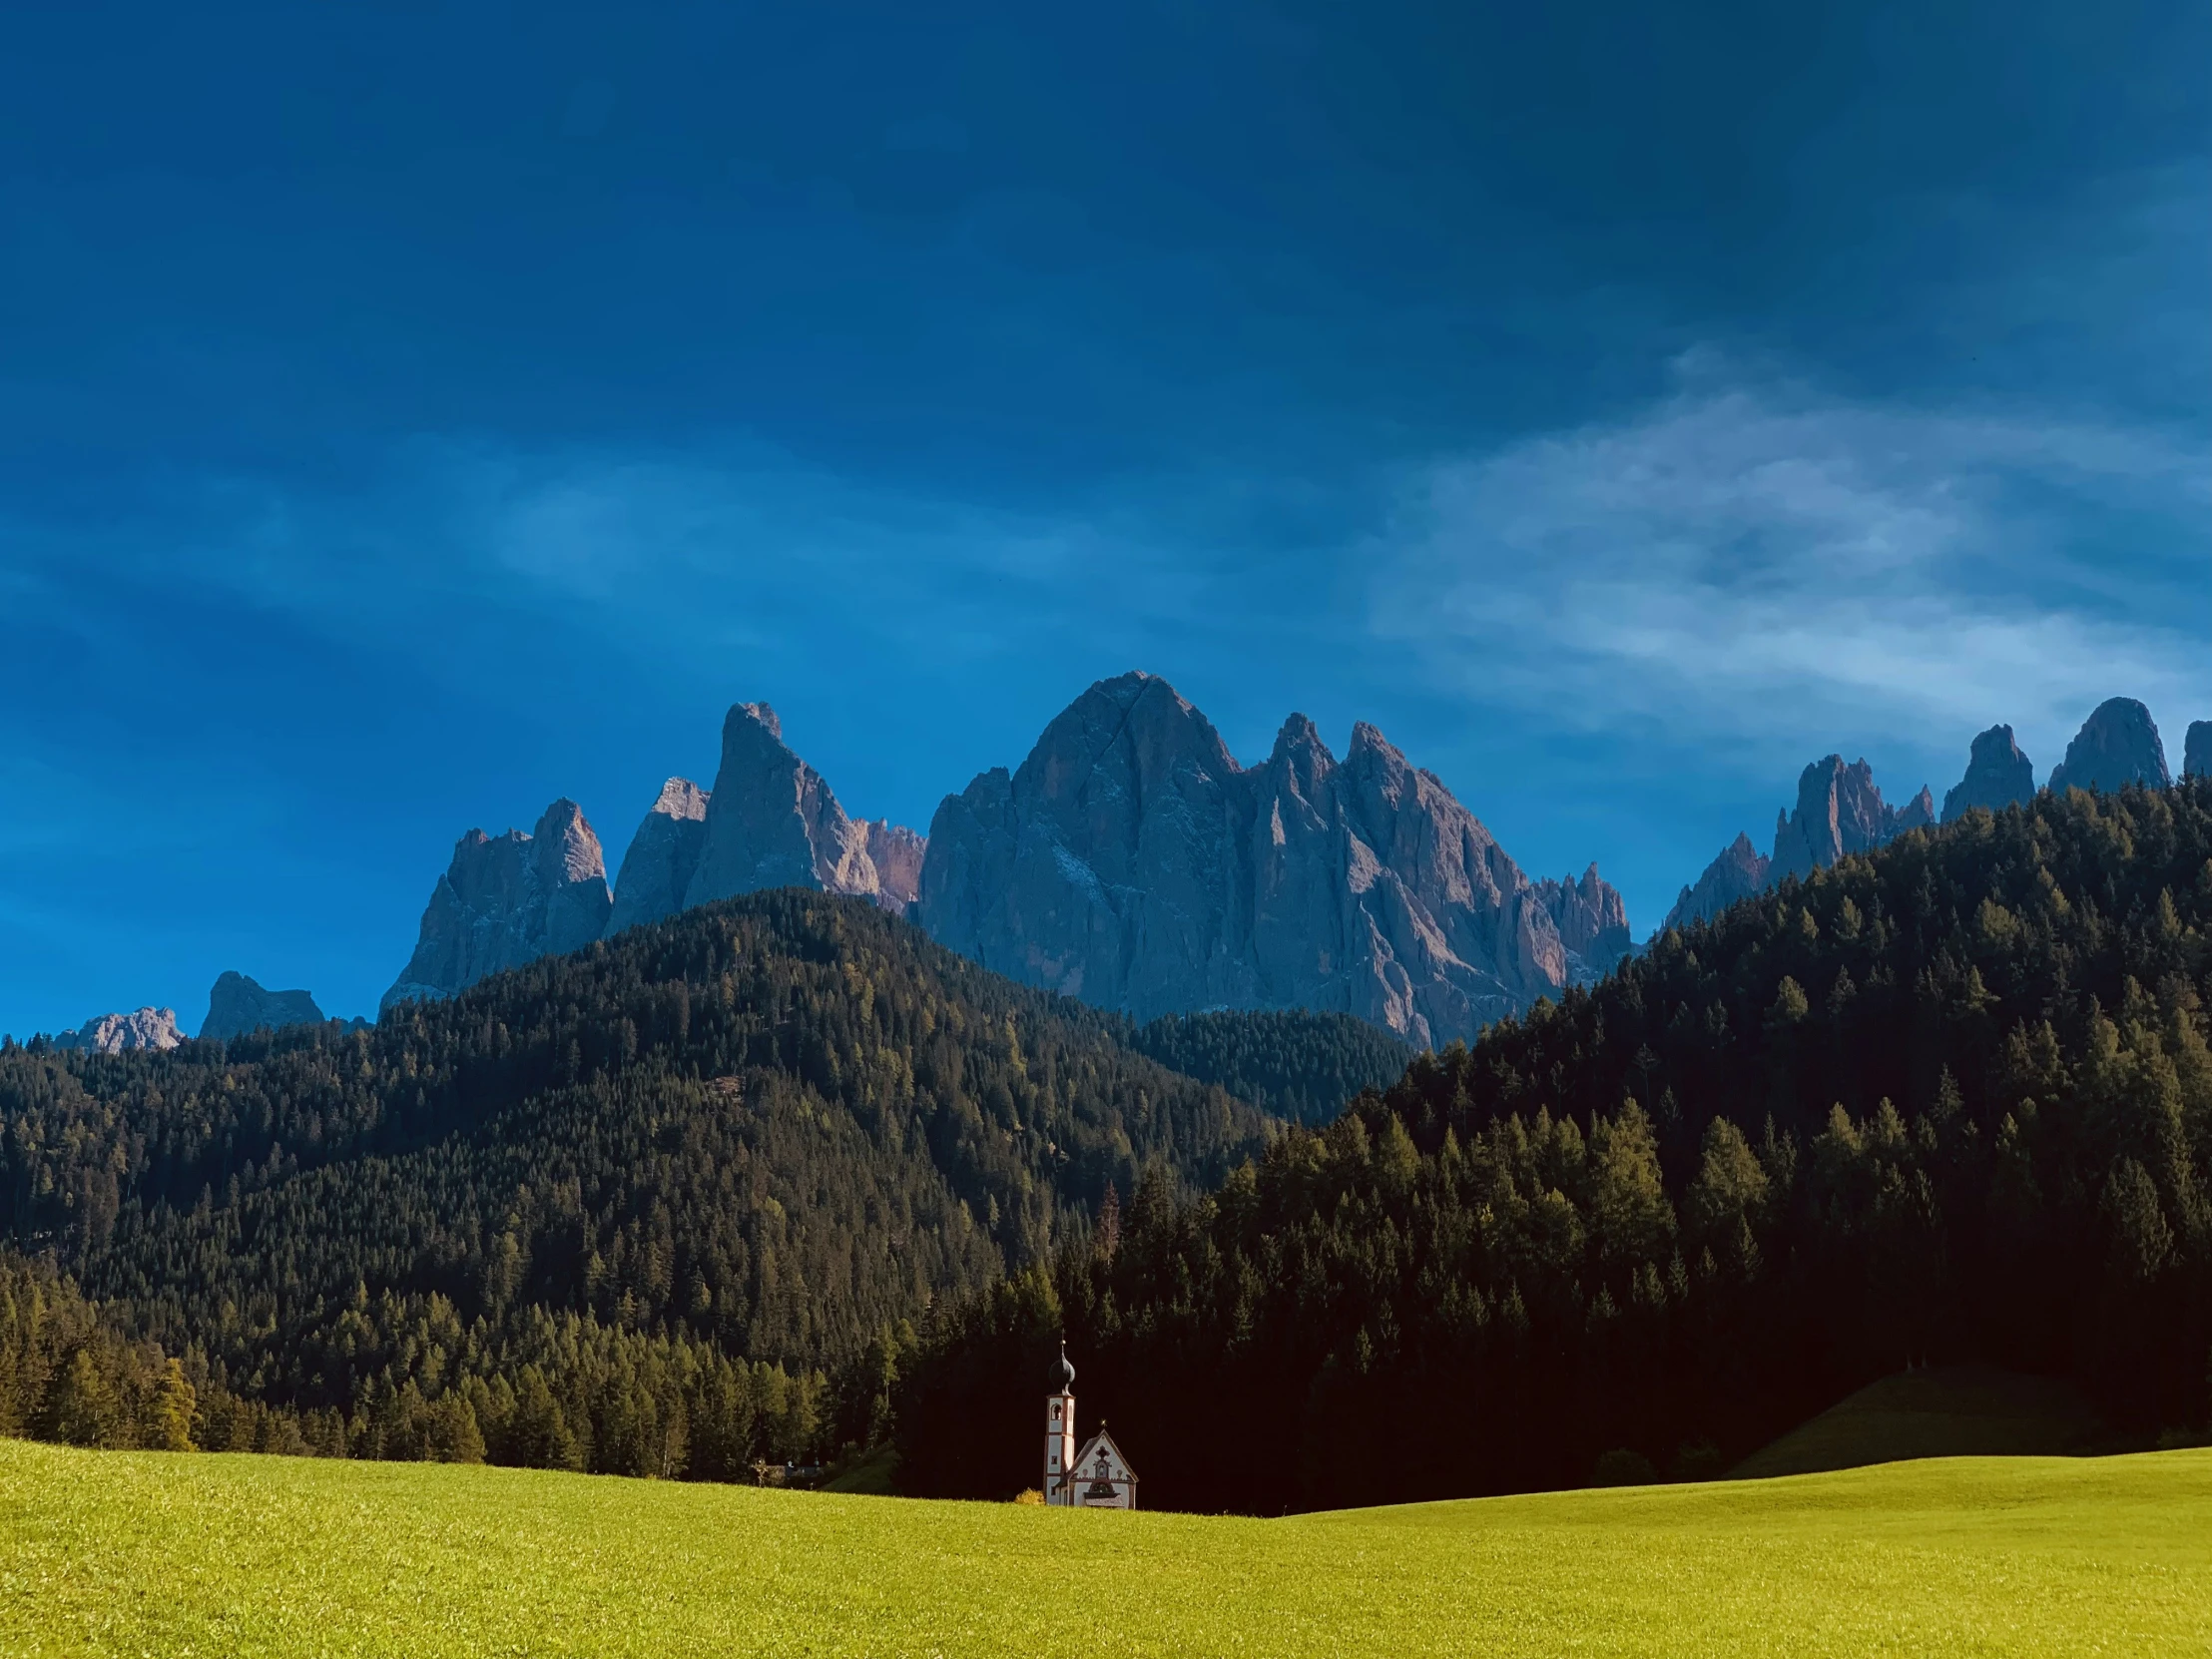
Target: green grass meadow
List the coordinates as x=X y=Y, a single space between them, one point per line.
x=194 y=1555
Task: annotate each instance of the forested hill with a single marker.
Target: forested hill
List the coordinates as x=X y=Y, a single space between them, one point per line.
x=1950 y=1100
x=760 y=1131
x=1292 y=1064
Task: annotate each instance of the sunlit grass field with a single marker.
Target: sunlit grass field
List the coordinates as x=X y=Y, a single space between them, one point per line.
x=171 y=1554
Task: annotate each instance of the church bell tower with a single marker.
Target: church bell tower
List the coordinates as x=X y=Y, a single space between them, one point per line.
x=1059 y=1436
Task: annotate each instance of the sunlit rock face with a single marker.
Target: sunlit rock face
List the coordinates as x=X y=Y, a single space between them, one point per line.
x=2118 y=744
x=1592 y=920
x=508 y=899
x=657 y=871
x=120 y=1033
x=771 y=821
x=1133 y=862
x=897 y=851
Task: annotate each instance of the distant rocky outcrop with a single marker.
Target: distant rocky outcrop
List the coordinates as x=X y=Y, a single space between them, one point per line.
x=237 y=1006
x=897 y=851
x=770 y=821
x=773 y=822
x=663 y=853
x=1839 y=810
x=2117 y=746
x=2196 y=755
x=1131 y=862
x=115 y=1033
x=1739 y=871
x=1592 y=920
x=508 y=899
x=1998 y=775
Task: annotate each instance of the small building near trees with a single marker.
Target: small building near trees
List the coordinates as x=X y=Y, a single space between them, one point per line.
x=1096 y=1478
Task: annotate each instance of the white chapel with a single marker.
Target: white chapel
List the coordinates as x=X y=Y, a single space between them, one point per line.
x=1098 y=1476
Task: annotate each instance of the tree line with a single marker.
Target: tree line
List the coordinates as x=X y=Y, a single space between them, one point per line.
x=1950 y=1100
x=659 y=1207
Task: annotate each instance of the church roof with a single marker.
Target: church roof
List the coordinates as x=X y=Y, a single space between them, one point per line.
x=1091 y=1450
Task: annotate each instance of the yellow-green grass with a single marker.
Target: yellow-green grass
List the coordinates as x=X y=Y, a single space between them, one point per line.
x=1945 y=1411
x=175 y=1554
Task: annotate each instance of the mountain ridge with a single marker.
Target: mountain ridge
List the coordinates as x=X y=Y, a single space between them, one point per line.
x=1133 y=862
x=1186 y=880
x=1839 y=808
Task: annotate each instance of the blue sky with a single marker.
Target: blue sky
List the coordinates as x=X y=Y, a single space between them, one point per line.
x=411 y=414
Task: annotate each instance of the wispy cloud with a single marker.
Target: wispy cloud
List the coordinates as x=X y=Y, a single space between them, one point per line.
x=678 y=555
x=1751 y=559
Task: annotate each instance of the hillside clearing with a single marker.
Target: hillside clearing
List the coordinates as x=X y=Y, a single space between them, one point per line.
x=125 y=1553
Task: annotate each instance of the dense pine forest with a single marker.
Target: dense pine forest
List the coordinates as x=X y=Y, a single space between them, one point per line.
x=667 y=1206
x=1948 y=1101
x=1292 y=1064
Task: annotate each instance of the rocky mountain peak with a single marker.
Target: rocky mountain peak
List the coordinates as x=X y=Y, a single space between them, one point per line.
x=1592 y=923
x=568 y=851
x=663 y=856
x=2117 y=745
x=1998 y=775
x=682 y=800
x=1300 y=757
x=237 y=1006
x=1371 y=748
x=1132 y=861
x=1120 y=743
x=1739 y=871
x=771 y=821
x=897 y=852
x=507 y=899
x=2196 y=753
x=1839 y=810
x=120 y=1033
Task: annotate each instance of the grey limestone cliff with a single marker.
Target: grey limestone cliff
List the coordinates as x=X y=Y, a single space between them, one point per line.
x=508 y=899
x=773 y=822
x=897 y=851
x=1592 y=920
x=118 y=1033
x=1998 y=775
x=1739 y=871
x=2196 y=753
x=237 y=1006
x=1839 y=810
x=2117 y=746
x=1131 y=862
x=663 y=853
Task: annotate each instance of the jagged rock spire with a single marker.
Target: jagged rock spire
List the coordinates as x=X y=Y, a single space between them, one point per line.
x=508 y=899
